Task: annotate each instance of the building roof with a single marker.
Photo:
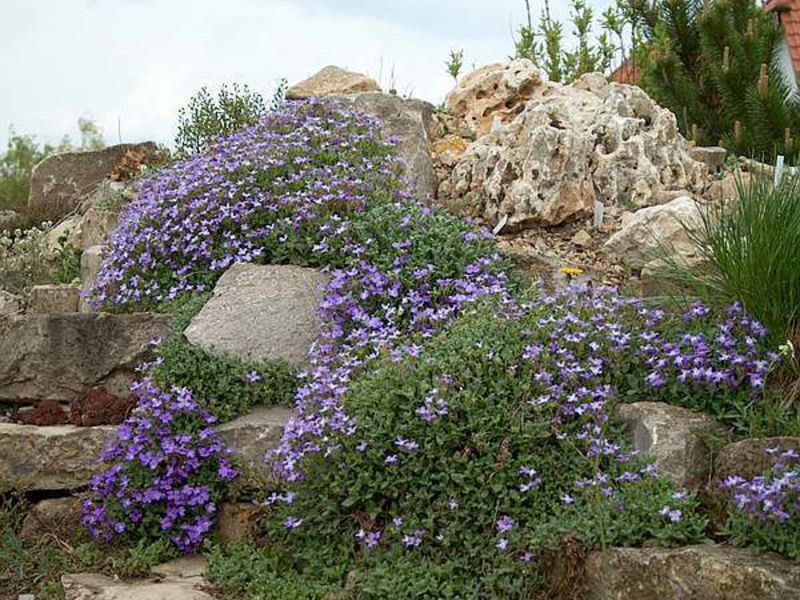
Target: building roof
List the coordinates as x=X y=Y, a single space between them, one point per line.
x=789 y=13
x=628 y=72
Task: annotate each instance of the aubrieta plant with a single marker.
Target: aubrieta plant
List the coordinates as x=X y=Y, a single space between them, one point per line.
x=167 y=471
x=765 y=510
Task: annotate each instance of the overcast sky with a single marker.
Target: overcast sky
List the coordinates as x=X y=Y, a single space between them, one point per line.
x=134 y=63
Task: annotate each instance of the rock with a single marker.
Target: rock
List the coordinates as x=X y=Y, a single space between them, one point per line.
x=91 y=259
x=53 y=298
x=406 y=120
x=582 y=238
x=60 y=182
x=181 y=579
x=651 y=231
x=673 y=437
x=711 y=156
x=749 y=458
x=252 y=436
x=63 y=235
x=8 y=218
x=570 y=147
x=235 y=521
x=332 y=81
x=727 y=188
x=58 y=355
x=57 y=516
x=96 y=226
x=493 y=92
x=449 y=149
x=10 y=304
x=710 y=572
x=62 y=457
x=261 y=313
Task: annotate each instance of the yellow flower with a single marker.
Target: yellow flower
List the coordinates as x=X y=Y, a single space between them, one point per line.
x=571 y=271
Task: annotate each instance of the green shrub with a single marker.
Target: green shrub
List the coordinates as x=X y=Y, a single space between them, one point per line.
x=752 y=255
x=206 y=118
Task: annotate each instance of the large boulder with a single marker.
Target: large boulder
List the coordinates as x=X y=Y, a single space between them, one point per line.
x=657 y=232
x=332 y=81
x=673 y=437
x=261 y=313
x=405 y=120
x=61 y=182
x=709 y=572
x=60 y=457
x=494 y=93
x=55 y=356
x=570 y=147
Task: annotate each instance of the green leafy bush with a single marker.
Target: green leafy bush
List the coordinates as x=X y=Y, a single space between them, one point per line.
x=206 y=118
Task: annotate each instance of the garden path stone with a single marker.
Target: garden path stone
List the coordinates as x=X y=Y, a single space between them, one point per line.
x=261 y=313
x=709 y=572
x=181 y=579
x=55 y=356
x=60 y=457
x=673 y=437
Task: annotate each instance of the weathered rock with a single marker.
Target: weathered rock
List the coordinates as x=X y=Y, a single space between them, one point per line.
x=251 y=437
x=406 y=120
x=727 y=188
x=62 y=457
x=236 y=520
x=751 y=458
x=332 y=81
x=91 y=260
x=582 y=238
x=53 y=298
x=7 y=219
x=58 y=355
x=60 y=182
x=493 y=93
x=57 y=516
x=710 y=572
x=711 y=156
x=180 y=579
x=649 y=232
x=572 y=146
x=96 y=226
x=261 y=312
x=673 y=437
x=10 y=304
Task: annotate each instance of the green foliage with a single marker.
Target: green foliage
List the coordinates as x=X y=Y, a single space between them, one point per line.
x=206 y=118
x=221 y=384
x=752 y=255
x=716 y=68
x=279 y=95
x=69 y=262
x=454 y=63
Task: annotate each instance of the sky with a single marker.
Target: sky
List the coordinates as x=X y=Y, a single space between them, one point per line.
x=130 y=65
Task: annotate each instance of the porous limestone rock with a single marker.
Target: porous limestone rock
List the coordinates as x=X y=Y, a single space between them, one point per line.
x=655 y=230
x=60 y=457
x=711 y=156
x=406 y=121
x=53 y=298
x=569 y=147
x=61 y=182
x=332 y=81
x=708 y=572
x=262 y=313
x=55 y=356
x=180 y=579
x=494 y=93
x=673 y=436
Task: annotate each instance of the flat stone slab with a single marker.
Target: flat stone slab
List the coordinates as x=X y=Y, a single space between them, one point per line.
x=54 y=298
x=262 y=313
x=710 y=572
x=251 y=437
x=55 y=356
x=673 y=437
x=180 y=579
x=62 y=457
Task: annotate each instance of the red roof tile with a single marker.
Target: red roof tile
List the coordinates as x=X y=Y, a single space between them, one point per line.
x=789 y=13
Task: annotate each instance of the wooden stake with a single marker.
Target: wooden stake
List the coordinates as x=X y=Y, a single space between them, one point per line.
x=726 y=59
x=737 y=130
x=750 y=27
x=695 y=132
x=763 y=81
x=787 y=138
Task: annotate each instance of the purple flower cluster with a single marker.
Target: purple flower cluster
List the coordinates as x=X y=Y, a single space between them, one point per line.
x=260 y=194
x=167 y=464
x=774 y=496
